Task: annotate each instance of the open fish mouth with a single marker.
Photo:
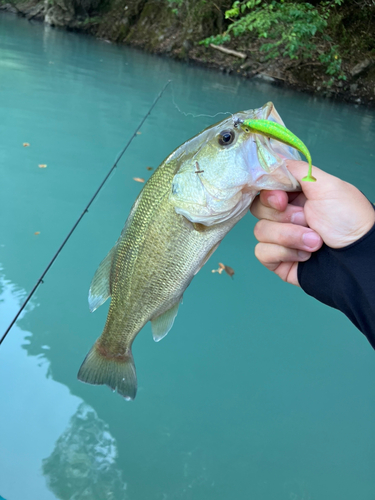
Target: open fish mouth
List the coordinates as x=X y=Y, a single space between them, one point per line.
x=229 y=167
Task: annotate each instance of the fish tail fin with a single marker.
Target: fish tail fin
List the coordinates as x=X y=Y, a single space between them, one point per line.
x=116 y=372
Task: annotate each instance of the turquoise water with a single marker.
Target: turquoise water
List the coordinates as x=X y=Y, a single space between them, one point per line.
x=258 y=392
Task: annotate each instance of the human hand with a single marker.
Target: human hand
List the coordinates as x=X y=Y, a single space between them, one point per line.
x=292 y=225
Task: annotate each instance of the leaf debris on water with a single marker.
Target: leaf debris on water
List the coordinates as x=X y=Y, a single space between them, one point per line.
x=37 y=232
x=42 y=166
x=222 y=267
x=220 y=270
x=25 y=144
x=138 y=179
x=139 y=132
x=150 y=168
x=229 y=270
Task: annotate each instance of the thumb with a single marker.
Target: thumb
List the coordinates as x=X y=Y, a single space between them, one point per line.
x=335 y=209
x=312 y=190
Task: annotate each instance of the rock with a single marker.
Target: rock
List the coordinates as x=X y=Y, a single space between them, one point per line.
x=36 y=12
x=265 y=78
x=247 y=64
x=170 y=47
x=187 y=45
x=60 y=13
x=8 y=8
x=353 y=87
x=361 y=67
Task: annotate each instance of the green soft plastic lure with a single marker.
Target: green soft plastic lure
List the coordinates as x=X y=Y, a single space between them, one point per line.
x=282 y=134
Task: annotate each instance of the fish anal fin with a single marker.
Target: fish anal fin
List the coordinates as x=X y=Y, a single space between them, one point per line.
x=161 y=325
x=100 y=287
x=118 y=372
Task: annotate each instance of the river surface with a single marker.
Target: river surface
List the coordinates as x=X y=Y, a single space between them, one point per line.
x=258 y=392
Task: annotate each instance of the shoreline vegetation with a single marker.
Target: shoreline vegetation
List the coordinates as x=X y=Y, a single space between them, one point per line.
x=323 y=47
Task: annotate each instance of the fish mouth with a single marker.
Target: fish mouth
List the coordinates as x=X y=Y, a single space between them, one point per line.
x=266 y=112
x=266 y=157
x=218 y=183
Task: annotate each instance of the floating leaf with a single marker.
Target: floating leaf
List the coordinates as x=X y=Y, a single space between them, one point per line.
x=220 y=269
x=139 y=133
x=37 y=232
x=42 y=166
x=25 y=144
x=229 y=271
x=150 y=168
x=138 y=179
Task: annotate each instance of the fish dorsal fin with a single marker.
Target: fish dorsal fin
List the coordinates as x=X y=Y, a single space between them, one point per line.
x=100 y=288
x=161 y=325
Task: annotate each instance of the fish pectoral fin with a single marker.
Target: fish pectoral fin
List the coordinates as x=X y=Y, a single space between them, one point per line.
x=161 y=325
x=100 y=288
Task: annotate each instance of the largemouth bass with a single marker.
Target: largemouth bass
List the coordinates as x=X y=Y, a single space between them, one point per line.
x=192 y=200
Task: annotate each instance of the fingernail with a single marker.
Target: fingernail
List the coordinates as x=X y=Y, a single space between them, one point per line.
x=303 y=255
x=311 y=239
x=298 y=218
x=273 y=202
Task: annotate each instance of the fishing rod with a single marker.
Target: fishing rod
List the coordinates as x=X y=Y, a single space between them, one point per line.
x=86 y=209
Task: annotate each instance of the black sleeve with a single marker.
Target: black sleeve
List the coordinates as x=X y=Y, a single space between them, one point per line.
x=345 y=279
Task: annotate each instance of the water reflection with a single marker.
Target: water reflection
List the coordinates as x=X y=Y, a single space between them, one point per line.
x=11 y=297
x=83 y=462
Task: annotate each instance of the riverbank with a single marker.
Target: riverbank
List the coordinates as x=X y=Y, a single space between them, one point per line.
x=176 y=29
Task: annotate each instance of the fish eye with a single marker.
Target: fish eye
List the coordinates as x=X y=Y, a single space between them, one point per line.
x=226 y=137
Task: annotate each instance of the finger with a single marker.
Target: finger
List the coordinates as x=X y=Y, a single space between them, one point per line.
x=274 y=199
x=297 y=199
x=261 y=211
x=287 y=271
x=313 y=190
x=271 y=256
x=287 y=235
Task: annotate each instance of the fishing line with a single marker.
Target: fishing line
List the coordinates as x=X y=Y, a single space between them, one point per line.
x=86 y=209
x=197 y=116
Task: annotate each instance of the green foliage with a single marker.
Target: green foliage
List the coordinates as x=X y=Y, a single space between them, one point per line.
x=216 y=39
x=91 y=20
x=287 y=29
x=175 y=5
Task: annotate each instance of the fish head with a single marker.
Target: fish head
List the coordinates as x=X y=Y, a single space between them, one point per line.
x=223 y=168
